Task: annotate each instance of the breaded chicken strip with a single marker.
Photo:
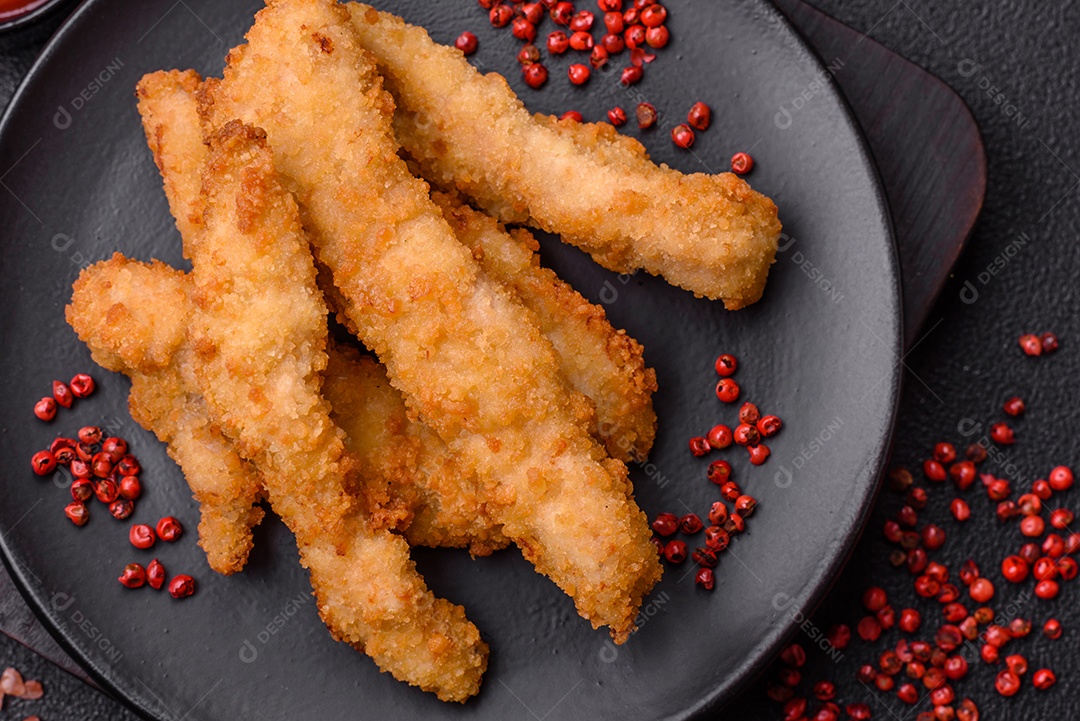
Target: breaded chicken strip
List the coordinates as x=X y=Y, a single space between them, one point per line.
x=259 y=333
x=133 y=316
x=710 y=234
x=603 y=363
x=418 y=468
x=468 y=358
x=170 y=120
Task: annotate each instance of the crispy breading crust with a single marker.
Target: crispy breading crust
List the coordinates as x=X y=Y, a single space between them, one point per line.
x=444 y=498
x=133 y=317
x=469 y=360
x=595 y=359
x=260 y=334
x=710 y=234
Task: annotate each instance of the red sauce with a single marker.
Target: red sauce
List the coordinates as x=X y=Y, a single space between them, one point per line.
x=11 y=9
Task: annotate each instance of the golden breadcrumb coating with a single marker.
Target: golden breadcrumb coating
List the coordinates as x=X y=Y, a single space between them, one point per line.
x=259 y=332
x=710 y=234
x=595 y=359
x=470 y=360
x=133 y=316
x=418 y=468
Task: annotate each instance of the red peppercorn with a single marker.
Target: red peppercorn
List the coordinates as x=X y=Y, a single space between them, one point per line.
x=949 y=592
x=741 y=163
x=653 y=16
x=982 y=590
x=730 y=491
x=866 y=673
x=823 y=690
x=610 y=6
x=749 y=414
x=699 y=446
x=181 y=586
x=80 y=469
x=1006 y=683
x=82 y=490
x=704 y=556
x=716 y=538
x=1029 y=552
x=658 y=545
x=955 y=668
x=1060 y=518
x=617 y=117
x=1043 y=679
x=735 y=524
x=718 y=513
x=45 y=409
x=727 y=390
x=557 y=43
x=562 y=13
x=1046 y=589
x=134 y=576
x=121 y=509
x=745 y=505
x=704 y=578
x=1032 y=526
x=169 y=529
x=719 y=436
x=933 y=537
x=1045 y=568
x=646 y=117
x=1014 y=569
x=884 y=682
x=954 y=612
x=969 y=571
x=1001 y=434
x=839 y=636
x=916 y=560
x=963 y=474
x=725 y=365
x=81 y=385
x=759 y=453
x=581 y=41
x=989 y=653
x=634 y=36
x=948 y=638
x=1016 y=663
x=682 y=136
x=793 y=655
x=868 y=629
x=769 y=426
x=106 y=490
x=886 y=617
x=487 y=4
x=934 y=471
x=535 y=75
x=690 y=524
x=746 y=435
x=533 y=12
x=501 y=15
x=960 y=509
x=875 y=599
x=142 y=536
x=674 y=551
x=84 y=451
x=613 y=44
x=582 y=21
x=998 y=490
x=614 y=23
x=907 y=516
x=1049 y=342
x=1006 y=510
x=101 y=466
x=77 y=513
x=975 y=453
x=630 y=76
x=114 y=448
x=43 y=463
x=1014 y=406
x=599 y=57
x=1061 y=478
x=1031 y=344
x=910 y=620
x=1072 y=543
x=467 y=43
x=62 y=394
x=719 y=471
x=1068 y=568
x=155 y=574
x=969 y=628
x=528 y=54
x=927 y=586
x=908 y=693
x=665 y=524
x=657 y=37
x=944 y=453
x=1053 y=545
x=1052 y=629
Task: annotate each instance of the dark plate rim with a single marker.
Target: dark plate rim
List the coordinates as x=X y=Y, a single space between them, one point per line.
x=866 y=484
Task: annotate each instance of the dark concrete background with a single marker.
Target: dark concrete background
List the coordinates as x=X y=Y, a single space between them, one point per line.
x=1016 y=64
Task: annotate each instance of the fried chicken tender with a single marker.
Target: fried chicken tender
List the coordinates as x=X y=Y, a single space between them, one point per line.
x=418 y=468
x=411 y=478
x=170 y=120
x=133 y=316
x=259 y=334
x=470 y=360
x=603 y=363
x=597 y=189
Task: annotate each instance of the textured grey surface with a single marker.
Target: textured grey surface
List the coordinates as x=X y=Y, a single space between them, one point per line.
x=969 y=362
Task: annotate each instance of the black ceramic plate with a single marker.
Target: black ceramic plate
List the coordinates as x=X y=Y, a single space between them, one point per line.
x=821 y=351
